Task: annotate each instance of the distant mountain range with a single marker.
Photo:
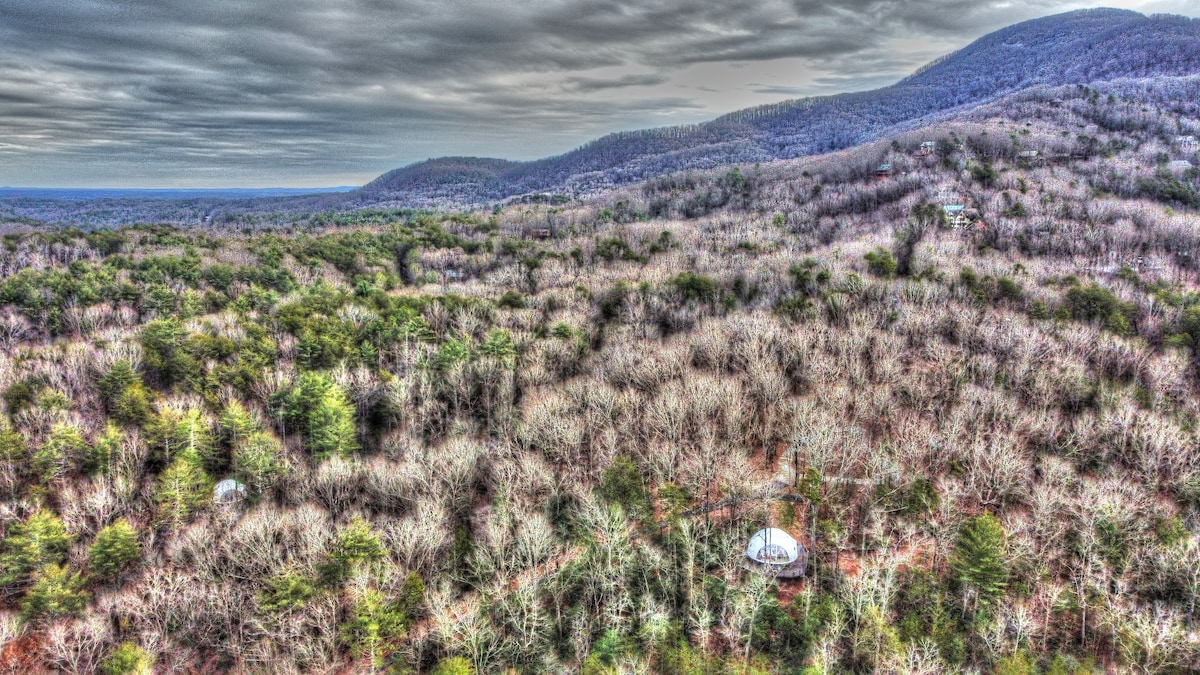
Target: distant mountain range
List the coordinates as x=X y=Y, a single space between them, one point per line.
x=173 y=194
x=1082 y=47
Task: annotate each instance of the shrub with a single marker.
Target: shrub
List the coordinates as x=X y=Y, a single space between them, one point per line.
x=696 y=287
x=1008 y=289
x=454 y=665
x=985 y=174
x=794 y=308
x=1019 y=663
x=1095 y=303
x=621 y=483
x=802 y=276
x=881 y=263
x=21 y=394
x=612 y=248
x=612 y=302
x=562 y=331
x=1167 y=188
x=511 y=300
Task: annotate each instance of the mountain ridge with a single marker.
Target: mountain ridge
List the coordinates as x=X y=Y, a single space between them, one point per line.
x=1077 y=47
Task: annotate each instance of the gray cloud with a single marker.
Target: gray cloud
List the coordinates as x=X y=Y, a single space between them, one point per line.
x=178 y=92
x=590 y=84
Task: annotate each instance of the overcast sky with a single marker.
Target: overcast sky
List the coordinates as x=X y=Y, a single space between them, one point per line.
x=254 y=93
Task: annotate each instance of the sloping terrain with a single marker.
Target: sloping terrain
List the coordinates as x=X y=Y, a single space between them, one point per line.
x=1084 y=47
x=1079 y=47
x=540 y=438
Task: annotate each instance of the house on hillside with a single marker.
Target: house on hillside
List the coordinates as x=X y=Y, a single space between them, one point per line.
x=540 y=233
x=955 y=214
x=1027 y=154
x=883 y=171
x=774 y=552
x=1186 y=143
x=927 y=148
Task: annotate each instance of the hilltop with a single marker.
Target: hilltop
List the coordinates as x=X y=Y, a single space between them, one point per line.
x=1082 y=47
x=1088 y=47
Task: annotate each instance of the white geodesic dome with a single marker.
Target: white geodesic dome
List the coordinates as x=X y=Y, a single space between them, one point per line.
x=773 y=546
x=229 y=491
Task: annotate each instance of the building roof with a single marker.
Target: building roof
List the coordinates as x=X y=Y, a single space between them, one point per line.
x=773 y=546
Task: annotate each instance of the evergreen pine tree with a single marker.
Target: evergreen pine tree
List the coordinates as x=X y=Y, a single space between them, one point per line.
x=331 y=424
x=55 y=592
x=127 y=659
x=286 y=591
x=979 y=558
x=104 y=447
x=356 y=545
x=183 y=487
x=258 y=460
x=319 y=410
x=116 y=546
x=64 y=449
x=237 y=423
x=374 y=627
x=40 y=540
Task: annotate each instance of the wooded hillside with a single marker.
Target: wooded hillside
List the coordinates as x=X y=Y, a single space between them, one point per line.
x=538 y=438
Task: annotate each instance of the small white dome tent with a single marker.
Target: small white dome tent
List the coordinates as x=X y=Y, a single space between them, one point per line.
x=229 y=491
x=773 y=551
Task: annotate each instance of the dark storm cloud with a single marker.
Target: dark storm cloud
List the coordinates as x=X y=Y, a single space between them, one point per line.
x=284 y=91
